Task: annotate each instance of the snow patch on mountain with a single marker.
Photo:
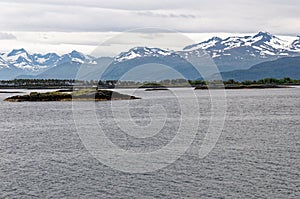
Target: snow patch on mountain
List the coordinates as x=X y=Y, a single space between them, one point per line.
x=262 y=43
x=142 y=52
x=204 y=45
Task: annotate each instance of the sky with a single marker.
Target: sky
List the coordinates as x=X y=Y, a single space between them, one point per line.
x=60 y=26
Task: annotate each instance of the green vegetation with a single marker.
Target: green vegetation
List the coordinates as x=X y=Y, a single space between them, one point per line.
x=260 y=84
x=83 y=92
x=266 y=81
x=69 y=84
x=274 y=81
x=37 y=83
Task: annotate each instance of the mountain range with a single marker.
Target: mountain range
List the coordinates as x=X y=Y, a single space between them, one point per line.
x=20 y=62
x=245 y=51
x=229 y=54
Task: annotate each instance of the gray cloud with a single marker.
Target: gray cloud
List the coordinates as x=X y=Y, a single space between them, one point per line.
x=163 y=15
x=5 y=36
x=112 y=4
x=275 y=16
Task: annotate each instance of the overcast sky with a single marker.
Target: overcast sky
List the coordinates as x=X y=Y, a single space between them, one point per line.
x=48 y=19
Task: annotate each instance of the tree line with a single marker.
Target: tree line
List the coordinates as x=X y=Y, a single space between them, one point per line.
x=58 y=83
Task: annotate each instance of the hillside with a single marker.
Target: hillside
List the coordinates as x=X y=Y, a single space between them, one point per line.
x=280 y=68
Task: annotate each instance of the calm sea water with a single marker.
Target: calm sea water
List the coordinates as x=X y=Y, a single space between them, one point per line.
x=256 y=156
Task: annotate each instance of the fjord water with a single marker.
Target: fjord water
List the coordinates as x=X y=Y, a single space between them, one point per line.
x=257 y=154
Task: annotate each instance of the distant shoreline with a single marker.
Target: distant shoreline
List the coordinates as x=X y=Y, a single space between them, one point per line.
x=237 y=87
x=71 y=84
x=219 y=87
x=202 y=87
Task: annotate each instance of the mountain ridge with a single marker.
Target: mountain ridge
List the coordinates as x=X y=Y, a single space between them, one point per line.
x=231 y=53
x=242 y=52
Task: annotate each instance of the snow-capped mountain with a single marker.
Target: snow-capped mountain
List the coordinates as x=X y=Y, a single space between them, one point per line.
x=154 y=59
x=21 y=59
x=264 y=44
x=77 y=57
x=231 y=53
x=296 y=44
x=244 y=51
x=140 y=52
x=20 y=62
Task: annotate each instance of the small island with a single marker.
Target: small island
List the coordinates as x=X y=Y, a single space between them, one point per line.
x=80 y=95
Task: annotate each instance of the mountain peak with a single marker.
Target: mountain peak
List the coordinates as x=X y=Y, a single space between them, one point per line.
x=141 y=51
x=264 y=35
x=215 y=39
x=296 y=44
x=205 y=44
x=16 y=52
x=144 y=49
x=75 y=52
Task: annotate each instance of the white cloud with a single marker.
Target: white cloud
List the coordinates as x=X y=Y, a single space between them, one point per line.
x=183 y=16
x=62 y=26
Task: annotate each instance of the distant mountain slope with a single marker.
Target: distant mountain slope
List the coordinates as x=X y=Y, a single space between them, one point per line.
x=63 y=71
x=144 y=63
x=70 y=70
x=280 y=68
x=245 y=51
